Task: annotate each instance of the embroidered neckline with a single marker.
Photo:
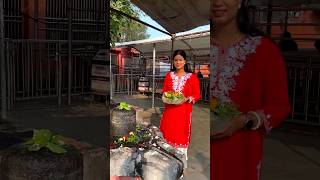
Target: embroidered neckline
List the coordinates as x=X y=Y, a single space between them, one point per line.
x=179 y=82
x=216 y=43
x=226 y=64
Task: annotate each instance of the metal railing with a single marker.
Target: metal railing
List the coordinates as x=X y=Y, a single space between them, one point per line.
x=128 y=84
x=49 y=46
x=50 y=19
x=125 y=83
x=304 y=87
x=39 y=69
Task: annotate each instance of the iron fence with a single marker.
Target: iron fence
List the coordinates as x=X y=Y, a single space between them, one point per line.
x=49 y=46
x=129 y=83
x=50 y=19
x=39 y=69
x=304 y=87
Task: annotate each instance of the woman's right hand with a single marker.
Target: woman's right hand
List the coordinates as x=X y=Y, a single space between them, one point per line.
x=233 y=126
x=184 y=100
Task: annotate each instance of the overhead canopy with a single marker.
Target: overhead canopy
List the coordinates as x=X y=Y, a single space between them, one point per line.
x=284 y=3
x=195 y=44
x=176 y=15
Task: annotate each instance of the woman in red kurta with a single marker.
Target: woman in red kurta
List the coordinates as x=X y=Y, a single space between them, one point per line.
x=176 y=119
x=246 y=70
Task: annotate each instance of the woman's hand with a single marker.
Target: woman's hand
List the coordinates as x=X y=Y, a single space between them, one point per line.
x=184 y=100
x=233 y=126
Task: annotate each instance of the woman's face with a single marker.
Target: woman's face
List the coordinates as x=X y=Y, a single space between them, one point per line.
x=224 y=11
x=179 y=62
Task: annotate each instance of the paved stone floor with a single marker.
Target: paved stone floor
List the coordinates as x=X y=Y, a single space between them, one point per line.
x=292 y=152
x=84 y=121
x=291 y=155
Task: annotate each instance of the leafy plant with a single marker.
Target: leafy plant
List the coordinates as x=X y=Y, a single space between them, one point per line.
x=124 y=106
x=139 y=136
x=173 y=95
x=43 y=138
x=225 y=110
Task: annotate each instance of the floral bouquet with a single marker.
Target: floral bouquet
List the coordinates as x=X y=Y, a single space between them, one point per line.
x=172 y=97
x=221 y=114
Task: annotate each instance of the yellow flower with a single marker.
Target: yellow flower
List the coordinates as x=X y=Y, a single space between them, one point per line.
x=120 y=139
x=213 y=104
x=131 y=133
x=168 y=94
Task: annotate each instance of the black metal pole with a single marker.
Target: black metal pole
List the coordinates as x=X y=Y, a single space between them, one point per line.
x=3 y=66
x=69 y=50
x=269 y=17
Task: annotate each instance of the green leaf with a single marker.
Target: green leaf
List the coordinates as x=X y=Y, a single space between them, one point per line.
x=57 y=140
x=29 y=142
x=56 y=148
x=34 y=147
x=42 y=137
x=226 y=111
x=125 y=106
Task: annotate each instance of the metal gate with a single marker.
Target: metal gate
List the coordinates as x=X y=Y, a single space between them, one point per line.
x=304 y=87
x=39 y=69
x=49 y=46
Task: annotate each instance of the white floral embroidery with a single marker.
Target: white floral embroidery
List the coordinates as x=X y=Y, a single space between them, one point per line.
x=179 y=82
x=230 y=62
x=259 y=170
x=267 y=123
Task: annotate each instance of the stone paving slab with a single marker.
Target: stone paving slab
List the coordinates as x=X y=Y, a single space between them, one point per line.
x=87 y=122
x=291 y=156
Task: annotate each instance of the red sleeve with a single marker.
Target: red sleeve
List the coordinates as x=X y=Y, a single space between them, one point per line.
x=276 y=105
x=166 y=81
x=196 y=88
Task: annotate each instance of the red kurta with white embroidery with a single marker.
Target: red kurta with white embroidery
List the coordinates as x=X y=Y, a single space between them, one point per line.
x=252 y=75
x=176 y=119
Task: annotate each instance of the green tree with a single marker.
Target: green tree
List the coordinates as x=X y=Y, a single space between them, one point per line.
x=123 y=29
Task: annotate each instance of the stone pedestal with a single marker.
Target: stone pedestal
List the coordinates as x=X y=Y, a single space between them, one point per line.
x=18 y=164
x=95 y=160
x=157 y=165
x=92 y=164
x=122 y=122
x=124 y=161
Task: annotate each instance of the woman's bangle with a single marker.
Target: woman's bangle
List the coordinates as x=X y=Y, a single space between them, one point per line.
x=190 y=99
x=258 y=118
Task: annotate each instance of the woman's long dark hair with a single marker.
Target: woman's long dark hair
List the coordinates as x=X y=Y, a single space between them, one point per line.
x=183 y=54
x=244 y=24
